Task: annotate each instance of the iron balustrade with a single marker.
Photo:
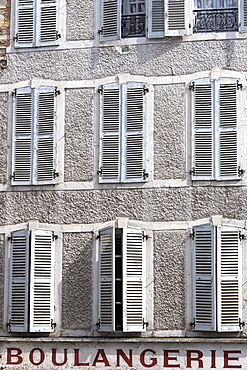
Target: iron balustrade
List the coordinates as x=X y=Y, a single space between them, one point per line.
x=133 y=25
x=216 y=20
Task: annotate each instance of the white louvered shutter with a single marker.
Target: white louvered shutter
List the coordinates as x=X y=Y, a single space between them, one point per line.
x=110 y=20
x=228 y=132
x=107 y=279
x=242 y=8
x=229 y=279
x=42 y=281
x=19 y=275
x=45 y=156
x=204 y=283
x=25 y=23
x=133 y=132
x=110 y=134
x=202 y=143
x=48 y=28
x=156 y=19
x=133 y=280
x=175 y=17
x=22 y=137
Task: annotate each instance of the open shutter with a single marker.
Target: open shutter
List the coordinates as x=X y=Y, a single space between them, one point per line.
x=133 y=280
x=42 y=281
x=107 y=279
x=48 y=30
x=22 y=137
x=202 y=105
x=19 y=274
x=110 y=134
x=175 y=18
x=242 y=6
x=134 y=116
x=204 y=292
x=110 y=20
x=156 y=18
x=228 y=132
x=45 y=136
x=229 y=281
x=25 y=23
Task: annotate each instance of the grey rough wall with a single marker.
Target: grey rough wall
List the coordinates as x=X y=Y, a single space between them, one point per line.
x=169 y=284
x=78 y=158
x=77 y=284
x=2 y=250
x=148 y=59
x=169 y=136
x=3 y=136
x=80 y=20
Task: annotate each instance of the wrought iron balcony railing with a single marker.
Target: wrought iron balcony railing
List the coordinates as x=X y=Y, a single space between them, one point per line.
x=216 y=20
x=133 y=25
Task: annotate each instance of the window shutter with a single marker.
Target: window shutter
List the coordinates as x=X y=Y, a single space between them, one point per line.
x=45 y=137
x=110 y=20
x=202 y=161
x=110 y=134
x=48 y=33
x=107 y=279
x=133 y=280
x=19 y=273
x=228 y=135
x=24 y=23
x=242 y=15
x=42 y=281
x=133 y=132
x=204 y=290
x=175 y=18
x=156 y=19
x=22 y=138
x=229 y=281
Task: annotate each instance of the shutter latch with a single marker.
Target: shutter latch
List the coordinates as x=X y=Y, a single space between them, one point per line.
x=239 y=86
x=53 y=324
x=144 y=323
x=192 y=234
x=144 y=236
x=9 y=325
x=57 y=92
x=13 y=176
x=240 y=171
x=100 y=172
x=100 y=89
x=14 y=92
x=54 y=236
x=55 y=174
x=16 y=38
x=145 y=174
x=98 y=324
x=241 y=323
x=193 y=171
x=100 y=31
x=192 y=86
x=145 y=90
x=193 y=324
x=58 y=35
x=241 y=236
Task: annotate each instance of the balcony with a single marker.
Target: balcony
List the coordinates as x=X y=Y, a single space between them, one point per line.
x=133 y=25
x=216 y=20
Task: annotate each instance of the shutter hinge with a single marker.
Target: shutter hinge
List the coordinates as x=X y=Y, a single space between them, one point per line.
x=10 y=238
x=193 y=171
x=192 y=234
x=14 y=92
x=100 y=172
x=239 y=86
x=100 y=31
x=240 y=171
x=98 y=324
x=144 y=323
x=145 y=174
x=192 y=86
x=9 y=325
x=16 y=37
x=98 y=236
x=55 y=174
x=193 y=324
x=57 y=92
x=58 y=35
x=53 y=324
x=144 y=236
x=241 y=323
x=101 y=89
x=54 y=236
x=145 y=90
x=241 y=236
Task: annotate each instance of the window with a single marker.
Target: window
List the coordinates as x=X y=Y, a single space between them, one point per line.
x=215 y=129
x=217 y=278
x=123 y=133
x=122 y=280
x=36 y=23
x=31 y=293
x=34 y=135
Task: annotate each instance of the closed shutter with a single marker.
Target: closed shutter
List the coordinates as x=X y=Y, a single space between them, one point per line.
x=107 y=279
x=227 y=132
x=156 y=19
x=202 y=105
x=45 y=138
x=229 y=280
x=242 y=15
x=110 y=20
x=42 y=281
x=175 y=17
x=19 y=274
x=24 y=23
x=48 y=32
x=204 y=289
x=134 y=101
x=110 y=134
x=133 y=280
x=22 y=137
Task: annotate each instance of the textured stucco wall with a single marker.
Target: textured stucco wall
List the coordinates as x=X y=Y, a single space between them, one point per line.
x=2 y=251
x=169 y=135
x=148 y=59
x=78 y=158
x=80 y=20
x=3 y=136
x=169 y=281
x=77 y=284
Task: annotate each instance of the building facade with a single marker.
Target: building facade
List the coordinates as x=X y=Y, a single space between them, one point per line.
x=123 y=184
